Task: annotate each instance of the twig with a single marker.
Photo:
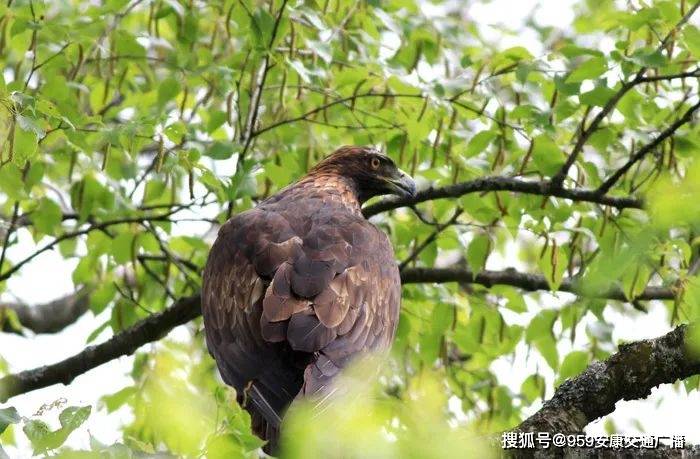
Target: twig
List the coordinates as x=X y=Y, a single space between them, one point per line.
x=439 y=228
x=646 y=149
x=255 y=100
x=585 y=133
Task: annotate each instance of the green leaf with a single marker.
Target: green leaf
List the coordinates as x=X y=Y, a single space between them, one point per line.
x=25 y=143
x=176 y=131
x=11 y=182
x=40 y=435
x=571 y=51
x=590 y=69
x=546 y=155
x=155 y=192
x=101 y=297
x=442 y=317
x=123 y=248
x=553 y=263
x=89 y=195
x=573 y=364
x=47 y=216
x=74 y=416
x=116 y=400
x=9 y=318
x=125 y=44
x=547 y=346
x=541 y=325
x=648 y=58
x=479 y=143
x=478 y=252
x=85 y=271
x=43 y=438
x=279 y=175
x=97 y=332
x=598 y=96
x=48 y=108
x=167 y=90
x=533 y=388
x=220 y=150
x=8 y=416
x=691 y=38
x=261 y=25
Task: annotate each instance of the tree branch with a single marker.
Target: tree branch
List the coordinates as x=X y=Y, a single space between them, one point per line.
x=524 y=281
x=50 y=317
x=8 y=233
x=558 y=179
x=255 y=100
x=646 y=149
x=148 y=330
x=630 y=374
x=498 y=183
x=158 y=325
x=73 y=234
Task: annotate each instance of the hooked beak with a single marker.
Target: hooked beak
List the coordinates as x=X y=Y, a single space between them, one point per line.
x=402 y=184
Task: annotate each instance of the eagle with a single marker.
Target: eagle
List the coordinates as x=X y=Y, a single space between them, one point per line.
x=297 y=287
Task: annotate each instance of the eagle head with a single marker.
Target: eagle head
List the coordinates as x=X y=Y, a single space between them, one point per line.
x=371 y=172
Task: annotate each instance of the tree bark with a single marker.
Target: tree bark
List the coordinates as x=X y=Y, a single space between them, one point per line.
x=50 y=317
x=629 y=374
x=148 y=330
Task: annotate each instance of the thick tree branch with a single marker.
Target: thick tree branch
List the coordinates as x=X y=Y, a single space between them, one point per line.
x=186 y=309
x=50 y=317
x=630 y=374
x=498 y=183
x=151 y=329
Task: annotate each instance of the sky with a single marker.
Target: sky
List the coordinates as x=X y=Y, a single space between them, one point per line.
x=668 y=411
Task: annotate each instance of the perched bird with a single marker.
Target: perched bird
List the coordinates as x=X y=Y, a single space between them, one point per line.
x=297 y=287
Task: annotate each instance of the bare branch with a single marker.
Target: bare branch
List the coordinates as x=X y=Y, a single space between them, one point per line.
x=674 y=76
x=8 y=233
x=439 y=228
x=371 y=94
x=73 y=234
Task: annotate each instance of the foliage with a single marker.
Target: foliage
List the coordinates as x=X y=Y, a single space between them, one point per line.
x=130 y=130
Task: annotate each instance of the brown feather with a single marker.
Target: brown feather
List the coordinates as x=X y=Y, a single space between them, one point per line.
x=296 y=288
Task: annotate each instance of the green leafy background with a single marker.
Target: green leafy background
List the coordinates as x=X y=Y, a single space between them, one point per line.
x=130 y=130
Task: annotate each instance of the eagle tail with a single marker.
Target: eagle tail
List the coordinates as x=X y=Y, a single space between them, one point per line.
x=265 y=419
x=265 y=431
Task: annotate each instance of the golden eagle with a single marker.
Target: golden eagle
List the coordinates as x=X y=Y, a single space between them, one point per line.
x=298 y=286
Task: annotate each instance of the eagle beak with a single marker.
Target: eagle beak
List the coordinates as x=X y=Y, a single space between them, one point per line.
x=402 y=184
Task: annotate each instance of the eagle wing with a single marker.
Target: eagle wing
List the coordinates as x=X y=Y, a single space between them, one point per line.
x=289 y=300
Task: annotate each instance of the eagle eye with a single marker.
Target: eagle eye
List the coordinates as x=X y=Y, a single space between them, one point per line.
x=374 y=163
